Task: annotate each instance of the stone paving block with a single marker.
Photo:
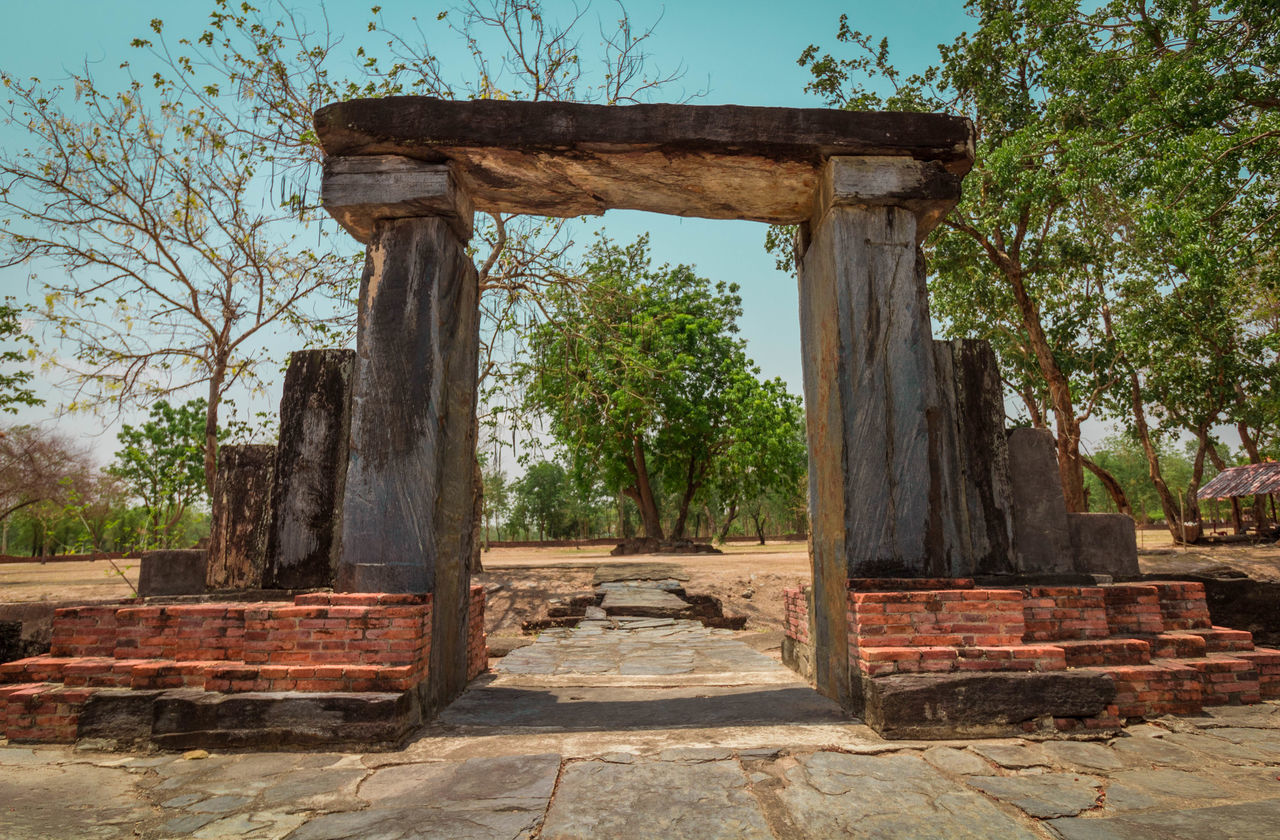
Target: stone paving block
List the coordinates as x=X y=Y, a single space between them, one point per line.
x=958 y=762
x=1248 y=821
x=654 y=801
x=1045 y=795
x=1083 y=754
x=833 y=795
x=1157 y=751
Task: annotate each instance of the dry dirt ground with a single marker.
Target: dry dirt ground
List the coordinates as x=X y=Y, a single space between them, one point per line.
x=749 y=579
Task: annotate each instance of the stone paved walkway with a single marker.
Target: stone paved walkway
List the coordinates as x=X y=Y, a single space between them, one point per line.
x=665 y=729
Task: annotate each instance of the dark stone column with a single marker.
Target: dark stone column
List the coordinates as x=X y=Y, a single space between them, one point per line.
x=882 y=494
x=241 y=517
x=311 y=470
x=1041 y=535
x=969 y=386
x=409 y=491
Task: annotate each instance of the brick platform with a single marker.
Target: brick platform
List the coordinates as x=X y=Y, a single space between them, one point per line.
x=1150 y=648
x=334 y=643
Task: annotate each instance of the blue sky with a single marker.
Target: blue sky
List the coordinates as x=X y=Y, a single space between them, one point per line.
x=741 y=52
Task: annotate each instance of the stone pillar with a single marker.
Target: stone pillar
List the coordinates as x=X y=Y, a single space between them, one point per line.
x=311 y=470
x=1041 y=534
x=241 y=517
x=972 y=396
x=881 y=499
x=408 y=499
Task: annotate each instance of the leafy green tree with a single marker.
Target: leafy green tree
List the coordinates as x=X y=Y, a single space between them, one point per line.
x=541 y=499
x=642 y=377
x=1021 y=261
x=161 y=463
x=497 y=501
x=14 y=390
x=765 y=464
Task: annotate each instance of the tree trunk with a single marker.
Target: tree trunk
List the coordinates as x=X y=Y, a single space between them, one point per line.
x=1172 y=515
x=1112 y=487
x=216 y=379
x=1251 y=447
x=1197 y=471
x=690 y=487
x=728 y=521
x=642 y=492
x=759 y=523
x=1070 y=463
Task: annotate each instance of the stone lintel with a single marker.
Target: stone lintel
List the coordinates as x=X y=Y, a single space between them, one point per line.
x=925 y=187
x=572 y=159
x=359 y=191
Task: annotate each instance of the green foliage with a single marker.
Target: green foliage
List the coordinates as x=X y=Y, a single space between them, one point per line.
x=13 y=384
x=1117 y=237
x=645 y=382
x=1122 y=456
x=541 y=500
x=161 y=463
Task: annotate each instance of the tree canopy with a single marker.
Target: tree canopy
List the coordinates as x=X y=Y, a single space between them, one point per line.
x=642 y=375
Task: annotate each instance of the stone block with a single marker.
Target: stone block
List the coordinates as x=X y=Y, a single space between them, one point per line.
x=999 y=703
x=305 y=542
x=173 y=572
x=1041 y=534
x=186 y=719
x=976 y=449
x=241 y=517
x=1103 y=543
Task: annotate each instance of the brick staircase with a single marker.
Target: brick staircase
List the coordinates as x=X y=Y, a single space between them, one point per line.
x=319 y=644
x=1154 y=642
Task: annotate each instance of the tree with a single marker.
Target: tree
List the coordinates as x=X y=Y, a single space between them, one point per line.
x=161 y=463
x=264 y=70
x=767 y=460
x=176 y=268
x=1187 y=96
x=13 y=386
x=644 y=381
x=541 y=499
x=37 y=466
x=1021 y=260
x=497 y=501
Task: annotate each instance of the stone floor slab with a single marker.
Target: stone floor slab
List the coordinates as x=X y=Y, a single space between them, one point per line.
x=1045 y=795
x=655 y=800
x=829 y=795
x=1247 y=821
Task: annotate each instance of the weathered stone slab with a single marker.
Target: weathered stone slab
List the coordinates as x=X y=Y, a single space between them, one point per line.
x=927 y=188
x=1230 y=822
x=185 y=719
x=881 y=502
x=1046 y=795
x=311 y=470
x=409 y=491
x=119 y=717
x=571 y=159
x=947 y=705
x=241 y=517
x=1041 y=536
x=1104 y=543
x=837 y=795
x=173 y=572
x=643 y=601
x=360 y=191
x=654 y=799
x=972 y=396
x=639 y=571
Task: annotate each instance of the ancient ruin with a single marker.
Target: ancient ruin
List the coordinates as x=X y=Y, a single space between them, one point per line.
x=945 y=566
